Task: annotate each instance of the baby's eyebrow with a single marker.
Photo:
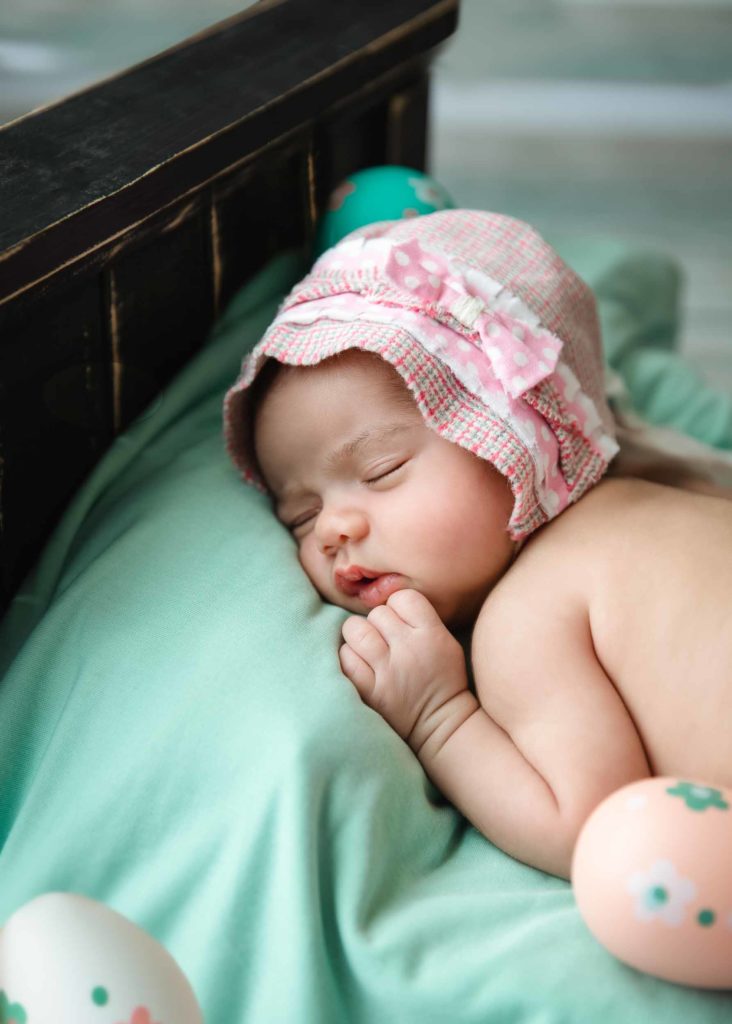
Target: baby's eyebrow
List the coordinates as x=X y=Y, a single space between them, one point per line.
x=350 y=448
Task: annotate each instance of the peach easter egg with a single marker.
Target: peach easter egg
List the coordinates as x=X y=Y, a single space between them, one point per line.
x=652 y=877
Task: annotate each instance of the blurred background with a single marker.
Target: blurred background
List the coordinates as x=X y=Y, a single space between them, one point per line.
x=604 y=117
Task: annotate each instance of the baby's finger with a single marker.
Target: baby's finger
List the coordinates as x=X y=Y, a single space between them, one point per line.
x=414 y=608
x=365 y=639
x=355 y=668
x=389 y=623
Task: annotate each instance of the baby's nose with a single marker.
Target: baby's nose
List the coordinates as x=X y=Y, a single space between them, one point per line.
x=336 y=526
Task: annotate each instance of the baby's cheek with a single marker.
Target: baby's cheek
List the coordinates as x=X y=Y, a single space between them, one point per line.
x=309 y=562
x=652 y=879
x=321 y=577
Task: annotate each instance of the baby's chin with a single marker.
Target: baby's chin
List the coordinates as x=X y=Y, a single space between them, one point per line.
x=348 y=604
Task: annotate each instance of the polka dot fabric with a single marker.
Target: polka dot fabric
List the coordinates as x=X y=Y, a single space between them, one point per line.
x=514 y=375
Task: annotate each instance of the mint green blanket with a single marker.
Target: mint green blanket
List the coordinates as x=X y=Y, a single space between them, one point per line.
x=177 y=741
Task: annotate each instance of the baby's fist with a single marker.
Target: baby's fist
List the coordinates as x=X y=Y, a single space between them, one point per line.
x=403 y=661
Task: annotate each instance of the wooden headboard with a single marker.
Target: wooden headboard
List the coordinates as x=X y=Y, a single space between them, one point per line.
x=133 y=210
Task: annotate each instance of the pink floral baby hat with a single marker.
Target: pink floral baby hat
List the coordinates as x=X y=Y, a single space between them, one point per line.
x=494 y=335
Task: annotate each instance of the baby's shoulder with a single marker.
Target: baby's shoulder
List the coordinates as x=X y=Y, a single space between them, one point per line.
x=596 y=545
x=561 y=564
x=549 y=575
x=624 y=509
x=542 y=601
x=626 y=516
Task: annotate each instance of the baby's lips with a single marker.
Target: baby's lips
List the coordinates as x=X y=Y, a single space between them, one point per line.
x=378 y=591
x=351 y=579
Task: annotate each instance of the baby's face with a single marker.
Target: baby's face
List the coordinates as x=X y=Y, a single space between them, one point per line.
x=376 y=500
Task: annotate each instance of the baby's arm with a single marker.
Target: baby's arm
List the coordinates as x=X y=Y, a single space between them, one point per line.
x=527 y=775
x=540 y=682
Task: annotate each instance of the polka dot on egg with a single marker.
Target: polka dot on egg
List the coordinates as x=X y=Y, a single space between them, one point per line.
x=100 y=996
x=636 y=802
x=430 y=266
x=705 y=917
x=520 y=358
x=435 y=280
x=411 y=282
x=518 y=383
x=402 y=258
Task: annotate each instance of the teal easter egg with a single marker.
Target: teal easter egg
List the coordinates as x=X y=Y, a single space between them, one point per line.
x=379 y=193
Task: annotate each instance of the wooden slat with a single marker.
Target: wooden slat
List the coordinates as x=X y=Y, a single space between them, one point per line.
x=407 y=141
x=160 y=305
x=54 y=418
x=260 y=211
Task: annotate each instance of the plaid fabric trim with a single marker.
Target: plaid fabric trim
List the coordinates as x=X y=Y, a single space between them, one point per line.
x=447 y=407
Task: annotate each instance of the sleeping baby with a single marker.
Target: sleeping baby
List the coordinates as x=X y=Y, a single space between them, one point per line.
x=427 y=412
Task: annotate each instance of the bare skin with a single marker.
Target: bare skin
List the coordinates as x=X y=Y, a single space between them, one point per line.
x=602 y=652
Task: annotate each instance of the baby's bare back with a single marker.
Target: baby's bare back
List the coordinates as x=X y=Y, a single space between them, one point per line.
x=654 y=566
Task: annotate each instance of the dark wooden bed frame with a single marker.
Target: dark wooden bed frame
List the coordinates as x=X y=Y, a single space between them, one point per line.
x=131 y=211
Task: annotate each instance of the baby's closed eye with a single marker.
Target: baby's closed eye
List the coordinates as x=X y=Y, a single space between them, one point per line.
x=299 y=517
x=302 y=520
x=375 y=475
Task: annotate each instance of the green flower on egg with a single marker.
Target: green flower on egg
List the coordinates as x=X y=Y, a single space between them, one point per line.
x=699 y=798
x=11 y=1013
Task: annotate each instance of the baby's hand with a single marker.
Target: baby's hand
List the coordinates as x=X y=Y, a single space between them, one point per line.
x=403 y=661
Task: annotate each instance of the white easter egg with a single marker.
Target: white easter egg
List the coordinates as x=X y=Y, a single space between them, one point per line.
x=652 y=880
x=66 y=957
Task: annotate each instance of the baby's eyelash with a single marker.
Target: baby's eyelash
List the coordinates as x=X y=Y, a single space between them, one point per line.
x=301 y=520
x=388 y=472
